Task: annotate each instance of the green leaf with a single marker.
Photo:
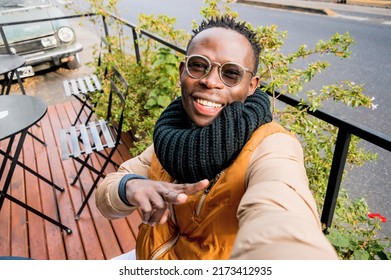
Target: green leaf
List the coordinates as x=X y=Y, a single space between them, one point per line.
x=150 y=103
x=361 y=255
x=339 y=240
x=163 y=101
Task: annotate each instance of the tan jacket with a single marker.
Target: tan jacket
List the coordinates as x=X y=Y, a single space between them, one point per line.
x=277 y=216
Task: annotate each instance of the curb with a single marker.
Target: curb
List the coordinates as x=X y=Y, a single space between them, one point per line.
x=327 y=12
x=371 y=3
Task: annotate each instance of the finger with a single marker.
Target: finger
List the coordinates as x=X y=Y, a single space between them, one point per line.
x=170 y=196
x=145 y=215
x=181 y=198
x=159 y=207
x=147 y=207
x=179 y=195
x=165 y=216
x=196 y=187
x=157 y=216
x=185 y=188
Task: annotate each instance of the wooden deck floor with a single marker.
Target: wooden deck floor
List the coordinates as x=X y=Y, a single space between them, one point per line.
x=25 y=234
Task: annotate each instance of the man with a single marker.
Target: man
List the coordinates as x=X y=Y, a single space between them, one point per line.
x=222 y=180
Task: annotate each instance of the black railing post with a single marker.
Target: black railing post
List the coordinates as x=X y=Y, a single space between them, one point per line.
x=7 y=47
x=105 y=28
x=335 y=178
x=136 y=47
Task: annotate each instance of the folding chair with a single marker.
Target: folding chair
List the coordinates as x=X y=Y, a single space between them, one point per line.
x=83 y=88
x=104 y=135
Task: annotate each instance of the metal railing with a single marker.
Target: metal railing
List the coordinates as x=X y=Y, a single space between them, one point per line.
x=345 y=128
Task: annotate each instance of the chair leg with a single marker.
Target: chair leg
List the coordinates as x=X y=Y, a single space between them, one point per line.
x=80 y=170
x=100 y=175
x=80 y=112
x=78 y=116
x=84 y=103
x=89 y=117
x=116 y=165
x=83 y=205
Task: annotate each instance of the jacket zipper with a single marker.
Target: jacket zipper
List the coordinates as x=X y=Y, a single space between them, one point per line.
x=164 y=248
x=206 y=191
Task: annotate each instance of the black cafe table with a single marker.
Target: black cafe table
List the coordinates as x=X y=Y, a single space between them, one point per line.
x=9 y=63
x=17 y=114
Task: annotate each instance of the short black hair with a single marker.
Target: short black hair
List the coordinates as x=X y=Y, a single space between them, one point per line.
x=230 y=23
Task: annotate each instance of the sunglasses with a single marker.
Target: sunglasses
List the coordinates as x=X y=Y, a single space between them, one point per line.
x=199 y=66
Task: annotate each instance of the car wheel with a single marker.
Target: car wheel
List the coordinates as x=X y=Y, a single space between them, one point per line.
x=75 y=63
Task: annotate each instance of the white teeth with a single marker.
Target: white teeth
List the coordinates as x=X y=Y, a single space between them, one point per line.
x=208 y=103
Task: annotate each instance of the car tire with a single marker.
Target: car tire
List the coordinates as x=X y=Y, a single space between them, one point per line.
x=75 y=63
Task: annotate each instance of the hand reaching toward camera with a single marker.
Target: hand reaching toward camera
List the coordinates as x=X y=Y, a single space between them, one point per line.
x=153 y=197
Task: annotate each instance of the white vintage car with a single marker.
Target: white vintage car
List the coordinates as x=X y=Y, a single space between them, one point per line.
x=43 y=44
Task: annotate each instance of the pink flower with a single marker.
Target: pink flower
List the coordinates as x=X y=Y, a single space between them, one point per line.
x=377 y=215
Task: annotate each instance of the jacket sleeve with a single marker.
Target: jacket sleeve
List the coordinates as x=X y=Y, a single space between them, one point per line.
x=278 y=217
x=107 y=197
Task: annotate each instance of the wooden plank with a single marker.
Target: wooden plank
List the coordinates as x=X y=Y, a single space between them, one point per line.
x=54 y=235
x=134 y=221
x=19 y=240
x=5 y=213
x=123 y=149
x=36 y=230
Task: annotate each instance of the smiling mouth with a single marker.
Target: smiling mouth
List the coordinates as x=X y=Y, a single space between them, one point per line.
x=208 y=104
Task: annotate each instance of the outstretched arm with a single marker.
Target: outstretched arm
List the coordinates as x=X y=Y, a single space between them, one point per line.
x=277 y=215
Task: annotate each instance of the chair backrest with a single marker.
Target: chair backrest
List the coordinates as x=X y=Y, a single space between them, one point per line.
x=117 y=101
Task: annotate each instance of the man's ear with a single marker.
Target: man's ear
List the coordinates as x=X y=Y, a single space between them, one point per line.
x=181 y=68
x=254 y=83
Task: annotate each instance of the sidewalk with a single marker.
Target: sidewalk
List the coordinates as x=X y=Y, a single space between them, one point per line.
x=377 y=7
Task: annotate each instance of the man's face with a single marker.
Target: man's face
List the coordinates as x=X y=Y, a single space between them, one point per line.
x=203 y=99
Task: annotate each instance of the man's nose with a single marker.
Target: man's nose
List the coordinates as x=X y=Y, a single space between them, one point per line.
x=212 y=80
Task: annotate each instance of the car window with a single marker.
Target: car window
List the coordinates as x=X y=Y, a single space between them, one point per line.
x=14 y=4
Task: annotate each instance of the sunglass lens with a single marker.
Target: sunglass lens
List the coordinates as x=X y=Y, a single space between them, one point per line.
x=231 y=74
x=197 y=66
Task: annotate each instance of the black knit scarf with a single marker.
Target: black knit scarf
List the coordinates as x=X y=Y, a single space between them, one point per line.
x=190 y=153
